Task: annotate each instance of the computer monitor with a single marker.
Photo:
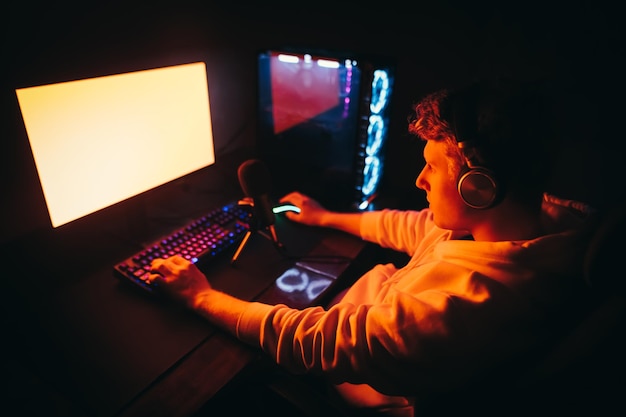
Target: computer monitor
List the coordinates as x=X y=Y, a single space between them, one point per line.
x=99 y=141
x=323 y=121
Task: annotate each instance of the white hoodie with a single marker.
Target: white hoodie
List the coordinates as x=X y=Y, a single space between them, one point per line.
x=456 y=309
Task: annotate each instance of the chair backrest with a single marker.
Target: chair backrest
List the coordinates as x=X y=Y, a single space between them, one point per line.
x=603 y=263
x=585 y=372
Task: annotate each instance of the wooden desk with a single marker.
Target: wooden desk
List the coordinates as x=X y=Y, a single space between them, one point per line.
x=108 y=349
x=183 y=389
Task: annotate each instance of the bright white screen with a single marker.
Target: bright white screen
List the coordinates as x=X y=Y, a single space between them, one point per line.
x=99 y=141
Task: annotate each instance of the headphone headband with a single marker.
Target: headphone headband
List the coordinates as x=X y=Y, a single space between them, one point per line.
x=476 y=184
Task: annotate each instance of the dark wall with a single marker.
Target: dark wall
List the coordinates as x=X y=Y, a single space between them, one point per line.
x=434 y=46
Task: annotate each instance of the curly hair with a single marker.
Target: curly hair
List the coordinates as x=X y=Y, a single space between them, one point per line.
x=509 y=123
x=428 y=124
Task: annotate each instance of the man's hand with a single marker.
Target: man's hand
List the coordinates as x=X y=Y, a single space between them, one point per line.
x=311 y=212
x=179 y=278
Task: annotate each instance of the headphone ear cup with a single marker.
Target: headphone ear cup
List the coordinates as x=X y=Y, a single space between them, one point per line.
x=478 y=188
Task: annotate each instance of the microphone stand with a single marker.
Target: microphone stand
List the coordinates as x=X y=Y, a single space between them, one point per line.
x=267 y=231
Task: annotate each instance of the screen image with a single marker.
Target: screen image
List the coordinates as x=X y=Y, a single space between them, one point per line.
x=99 y=141
x=303 y=88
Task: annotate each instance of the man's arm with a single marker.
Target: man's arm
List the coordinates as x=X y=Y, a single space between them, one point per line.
x=184 y=282
x=313 y=214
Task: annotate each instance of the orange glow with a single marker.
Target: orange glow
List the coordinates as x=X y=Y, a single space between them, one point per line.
x=102 y=140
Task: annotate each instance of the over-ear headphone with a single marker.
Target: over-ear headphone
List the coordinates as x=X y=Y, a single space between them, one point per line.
x=477 y=185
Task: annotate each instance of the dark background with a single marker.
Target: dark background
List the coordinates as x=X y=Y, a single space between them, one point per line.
x=433 y=45
x=580 y=47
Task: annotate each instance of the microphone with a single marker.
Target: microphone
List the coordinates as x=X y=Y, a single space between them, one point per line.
x=256 y=184
x=255 y=181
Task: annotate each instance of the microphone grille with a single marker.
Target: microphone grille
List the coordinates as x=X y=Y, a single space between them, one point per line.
x=254 y=178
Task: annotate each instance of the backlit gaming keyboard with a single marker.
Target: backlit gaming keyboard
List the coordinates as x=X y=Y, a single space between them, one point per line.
x=199 y=241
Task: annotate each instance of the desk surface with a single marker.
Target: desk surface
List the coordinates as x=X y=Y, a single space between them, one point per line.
x=111 y=349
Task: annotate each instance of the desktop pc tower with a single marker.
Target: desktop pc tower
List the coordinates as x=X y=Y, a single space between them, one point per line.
x=323 y=122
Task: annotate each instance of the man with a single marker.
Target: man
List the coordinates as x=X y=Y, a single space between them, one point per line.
x=494 y=263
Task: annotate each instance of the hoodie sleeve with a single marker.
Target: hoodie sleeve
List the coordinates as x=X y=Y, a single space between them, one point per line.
x=400 y=230
x=403 y=338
